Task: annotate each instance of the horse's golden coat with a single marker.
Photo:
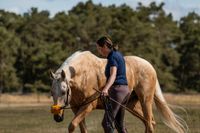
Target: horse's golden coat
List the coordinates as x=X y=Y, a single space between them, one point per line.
x=84 y=72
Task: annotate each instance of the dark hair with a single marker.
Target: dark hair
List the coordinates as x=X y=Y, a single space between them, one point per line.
x=106 y=41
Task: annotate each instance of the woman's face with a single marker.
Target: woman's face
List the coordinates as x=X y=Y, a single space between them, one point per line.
x=101 y=50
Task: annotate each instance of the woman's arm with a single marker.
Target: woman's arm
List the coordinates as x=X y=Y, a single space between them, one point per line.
x=111 y=80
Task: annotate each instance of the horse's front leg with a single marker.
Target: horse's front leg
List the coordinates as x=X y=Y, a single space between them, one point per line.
x=82 y=125
x=79 y=119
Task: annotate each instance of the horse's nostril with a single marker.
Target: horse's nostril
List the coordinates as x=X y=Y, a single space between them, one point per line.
x=58 y=118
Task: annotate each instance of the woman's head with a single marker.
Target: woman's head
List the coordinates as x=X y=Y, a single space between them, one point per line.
x=105 y=45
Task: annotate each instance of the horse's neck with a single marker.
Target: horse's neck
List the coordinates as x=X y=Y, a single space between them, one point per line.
x=87 y=60
x=89 y=64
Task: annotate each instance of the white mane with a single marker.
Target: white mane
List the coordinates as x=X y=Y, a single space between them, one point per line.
x=65 y=65
x=66 y=62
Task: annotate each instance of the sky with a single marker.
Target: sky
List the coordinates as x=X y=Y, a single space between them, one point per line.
x=178 y=8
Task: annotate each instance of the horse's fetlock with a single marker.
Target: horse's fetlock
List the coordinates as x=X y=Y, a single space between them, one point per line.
x=153 y=124
x=72 y=127
x=151 y=129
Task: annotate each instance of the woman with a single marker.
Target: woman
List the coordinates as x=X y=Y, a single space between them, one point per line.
x=116 y=86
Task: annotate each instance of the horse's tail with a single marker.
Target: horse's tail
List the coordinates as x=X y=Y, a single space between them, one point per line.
x=169 y=118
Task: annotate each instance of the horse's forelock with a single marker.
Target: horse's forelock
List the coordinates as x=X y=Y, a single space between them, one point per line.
x=59 y=76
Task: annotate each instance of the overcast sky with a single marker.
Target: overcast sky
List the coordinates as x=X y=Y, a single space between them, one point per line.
x=178 y=8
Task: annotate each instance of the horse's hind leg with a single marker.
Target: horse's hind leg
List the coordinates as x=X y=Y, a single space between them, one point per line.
x=145 y=95
x=136 y=109
x=147 y=109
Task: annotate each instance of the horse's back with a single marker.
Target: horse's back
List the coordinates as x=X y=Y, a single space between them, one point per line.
x=139 y=63
x=138 y=70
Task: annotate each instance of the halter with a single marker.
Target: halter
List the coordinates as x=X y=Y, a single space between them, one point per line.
x=55 y=109
x=68 y=94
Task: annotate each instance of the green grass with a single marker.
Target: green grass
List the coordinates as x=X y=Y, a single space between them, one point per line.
x=40 y=120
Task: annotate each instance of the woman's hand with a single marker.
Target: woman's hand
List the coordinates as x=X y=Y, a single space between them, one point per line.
x=105 y=92
x=113 y=73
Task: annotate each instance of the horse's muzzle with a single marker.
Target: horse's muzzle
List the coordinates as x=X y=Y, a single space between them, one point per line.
x=59 y=117
x=58 y=113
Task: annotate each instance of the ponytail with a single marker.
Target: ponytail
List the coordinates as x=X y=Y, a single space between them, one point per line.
x=107 y=41
x=115 y=47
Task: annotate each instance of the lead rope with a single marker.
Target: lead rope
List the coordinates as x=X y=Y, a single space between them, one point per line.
x=87 y=101
x=132 y=111
x=108 y=111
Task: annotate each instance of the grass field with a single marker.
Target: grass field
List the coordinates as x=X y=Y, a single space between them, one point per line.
x=28 y=116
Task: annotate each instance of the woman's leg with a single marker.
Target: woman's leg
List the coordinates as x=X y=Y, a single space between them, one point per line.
x=110 y=115
x=107 y=124
x=118 y=93
x=120 y=121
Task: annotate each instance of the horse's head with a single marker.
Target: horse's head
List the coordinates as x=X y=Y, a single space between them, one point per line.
x=61 y=94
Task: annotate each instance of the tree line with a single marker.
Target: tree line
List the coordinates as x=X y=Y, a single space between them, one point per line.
x=33 y=43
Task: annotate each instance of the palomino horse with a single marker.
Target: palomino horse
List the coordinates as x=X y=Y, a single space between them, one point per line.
x=78 y=77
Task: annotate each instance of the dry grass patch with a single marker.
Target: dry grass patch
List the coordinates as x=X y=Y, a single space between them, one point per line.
x=24 y=100
x=24 y=114
x=183 y=99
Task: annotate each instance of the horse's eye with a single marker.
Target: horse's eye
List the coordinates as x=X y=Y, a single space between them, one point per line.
x=63 y=92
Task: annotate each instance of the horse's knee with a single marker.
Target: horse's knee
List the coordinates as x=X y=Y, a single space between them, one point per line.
x=72 y=127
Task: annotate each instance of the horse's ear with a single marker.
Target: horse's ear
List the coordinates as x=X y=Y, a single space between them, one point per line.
x=63 y=75
x=52 y=75
x=72 y=71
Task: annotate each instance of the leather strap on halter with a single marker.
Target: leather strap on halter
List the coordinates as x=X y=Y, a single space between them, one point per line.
x=87 y=101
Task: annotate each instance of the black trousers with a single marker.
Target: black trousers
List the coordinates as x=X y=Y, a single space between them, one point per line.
x=119 y=93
